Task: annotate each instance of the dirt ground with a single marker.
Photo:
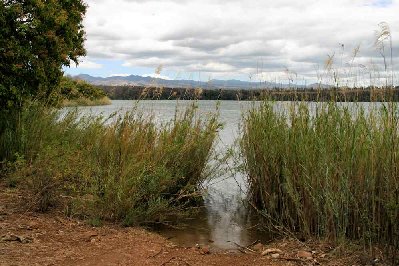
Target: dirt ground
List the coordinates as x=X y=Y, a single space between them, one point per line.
x=29 y=238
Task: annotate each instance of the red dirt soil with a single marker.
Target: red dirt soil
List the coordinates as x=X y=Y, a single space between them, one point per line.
x=30 y=238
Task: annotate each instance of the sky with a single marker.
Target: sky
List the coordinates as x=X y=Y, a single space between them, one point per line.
x=235 y=39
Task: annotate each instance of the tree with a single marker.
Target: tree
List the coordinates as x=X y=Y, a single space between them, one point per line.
x=37 y=38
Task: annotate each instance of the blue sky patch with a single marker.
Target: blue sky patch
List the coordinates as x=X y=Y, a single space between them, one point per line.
x=382 y=3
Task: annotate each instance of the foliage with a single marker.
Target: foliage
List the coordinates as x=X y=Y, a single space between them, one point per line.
x=78 y=92
x=369 y=94
x=325 y=169
x=73 y=89
x=37 y=38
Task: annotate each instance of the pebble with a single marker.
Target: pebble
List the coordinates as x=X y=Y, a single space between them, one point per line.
x=205 y=250
x=275 y=256
x=271 y=251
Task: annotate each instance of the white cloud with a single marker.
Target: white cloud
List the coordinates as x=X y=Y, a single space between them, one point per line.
x=158 y=76
x=87 y=64
x=235 y=37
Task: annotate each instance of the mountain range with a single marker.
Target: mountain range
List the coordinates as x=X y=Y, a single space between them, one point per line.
x=136 y=80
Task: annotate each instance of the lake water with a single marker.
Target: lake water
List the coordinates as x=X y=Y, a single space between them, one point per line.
x=224 y=223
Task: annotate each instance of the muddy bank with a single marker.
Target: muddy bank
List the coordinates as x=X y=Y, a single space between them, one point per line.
x=30 y=238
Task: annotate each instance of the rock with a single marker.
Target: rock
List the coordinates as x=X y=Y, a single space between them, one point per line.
x=204 y=250
x=12 y=237
x=25 y=240
x=9 y=238
x=258 y=247
x=304 y=254
x=275 y=256
x=271 y=251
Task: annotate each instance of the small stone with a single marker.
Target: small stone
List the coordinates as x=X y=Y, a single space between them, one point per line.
x=271 y=251
x=304 y=254
x=25 y=240
x=9 y=238
x=205 y=250
x=275 y=256
x=171 y=245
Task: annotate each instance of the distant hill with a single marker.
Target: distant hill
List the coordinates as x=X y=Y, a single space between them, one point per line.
x=135 y=80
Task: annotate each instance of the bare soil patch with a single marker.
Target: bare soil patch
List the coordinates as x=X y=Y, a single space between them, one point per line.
x=31 y=238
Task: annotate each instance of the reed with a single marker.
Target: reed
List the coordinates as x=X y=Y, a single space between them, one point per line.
x=325 y=169
x=125 y=168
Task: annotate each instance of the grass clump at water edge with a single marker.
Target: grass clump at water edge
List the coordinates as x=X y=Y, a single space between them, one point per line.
x=124 y=168
x=325 y=170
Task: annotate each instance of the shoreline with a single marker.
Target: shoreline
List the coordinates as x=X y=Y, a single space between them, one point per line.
x=31 y=238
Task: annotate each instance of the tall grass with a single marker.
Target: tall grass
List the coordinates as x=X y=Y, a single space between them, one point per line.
x=325 y=169
x=124 y=168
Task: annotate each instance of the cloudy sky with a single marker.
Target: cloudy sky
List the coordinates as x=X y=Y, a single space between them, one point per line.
x=247 y=40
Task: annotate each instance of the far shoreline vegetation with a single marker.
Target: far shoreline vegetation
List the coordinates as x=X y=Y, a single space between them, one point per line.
x=76 y=92
x=80 y=93
x=342 y=94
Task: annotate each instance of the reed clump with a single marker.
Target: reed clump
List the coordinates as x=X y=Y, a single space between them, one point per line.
x=328 y=170
x=126 y=168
